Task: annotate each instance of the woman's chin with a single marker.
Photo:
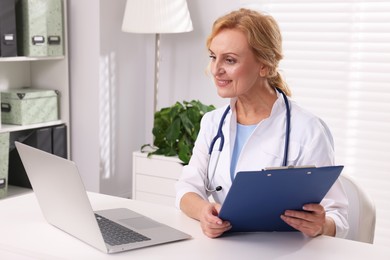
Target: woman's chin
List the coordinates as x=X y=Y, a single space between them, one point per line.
x=223 y=93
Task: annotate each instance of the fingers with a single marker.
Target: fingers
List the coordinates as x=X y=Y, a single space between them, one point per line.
x=211 y=224
x=215 y=229
x=311 y=221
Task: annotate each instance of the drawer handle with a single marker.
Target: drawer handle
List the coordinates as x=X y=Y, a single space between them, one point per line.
x=5 y=107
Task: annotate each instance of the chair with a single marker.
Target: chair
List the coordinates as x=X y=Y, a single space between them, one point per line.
x=361 y=212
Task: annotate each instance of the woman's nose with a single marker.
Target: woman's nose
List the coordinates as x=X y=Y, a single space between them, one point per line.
x=216 y=68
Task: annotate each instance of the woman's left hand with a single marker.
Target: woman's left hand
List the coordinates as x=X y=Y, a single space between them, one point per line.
x=312 y=221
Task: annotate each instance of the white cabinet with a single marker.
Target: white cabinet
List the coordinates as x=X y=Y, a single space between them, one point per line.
x=154 y=178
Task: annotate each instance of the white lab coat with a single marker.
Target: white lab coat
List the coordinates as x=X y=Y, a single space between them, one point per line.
x=311 y=143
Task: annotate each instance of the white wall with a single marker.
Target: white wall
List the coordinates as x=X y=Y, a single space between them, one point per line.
x=108 y=98
x=83 y=65
x=184 y=57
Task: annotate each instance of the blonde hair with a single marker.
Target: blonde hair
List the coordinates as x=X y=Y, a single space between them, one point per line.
x=263 y=37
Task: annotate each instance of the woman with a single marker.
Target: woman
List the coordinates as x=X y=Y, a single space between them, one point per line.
x=245 y=49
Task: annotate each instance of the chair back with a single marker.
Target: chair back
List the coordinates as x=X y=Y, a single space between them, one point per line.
x=361 y=212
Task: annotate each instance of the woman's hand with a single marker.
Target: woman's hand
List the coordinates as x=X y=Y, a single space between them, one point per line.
x=212 y=226
x=207 y=214
x=312 y=221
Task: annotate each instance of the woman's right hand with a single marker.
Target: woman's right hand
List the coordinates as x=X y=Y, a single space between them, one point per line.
x=212 y=226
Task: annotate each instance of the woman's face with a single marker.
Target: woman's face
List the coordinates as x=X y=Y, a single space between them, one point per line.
x=233 y=65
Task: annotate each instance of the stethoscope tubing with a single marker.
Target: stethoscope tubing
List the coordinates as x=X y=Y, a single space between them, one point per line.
x=221 y=136
x=219 y=133
x=288 y=122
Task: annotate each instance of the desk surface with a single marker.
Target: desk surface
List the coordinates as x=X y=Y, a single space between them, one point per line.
x=26 y=235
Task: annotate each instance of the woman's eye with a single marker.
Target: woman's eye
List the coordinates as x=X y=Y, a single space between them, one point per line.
x=230 y=60
x=212 y=57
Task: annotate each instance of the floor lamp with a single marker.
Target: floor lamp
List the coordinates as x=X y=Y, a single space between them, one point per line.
x=156 y=17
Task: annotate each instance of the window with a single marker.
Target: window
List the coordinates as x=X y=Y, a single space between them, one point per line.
x=337 y=64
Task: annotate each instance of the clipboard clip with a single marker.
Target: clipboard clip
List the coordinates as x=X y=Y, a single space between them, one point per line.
x=289 y=167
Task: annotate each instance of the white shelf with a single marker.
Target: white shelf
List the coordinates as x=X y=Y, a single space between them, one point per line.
x=14 y=191
x=22 y=58
x=11 y=128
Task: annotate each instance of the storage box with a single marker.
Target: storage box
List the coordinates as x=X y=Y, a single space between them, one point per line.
x=28 y=106
x=40 y=30
x=4 y=151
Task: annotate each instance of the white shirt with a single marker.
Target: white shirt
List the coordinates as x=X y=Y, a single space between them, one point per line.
x=311 y=143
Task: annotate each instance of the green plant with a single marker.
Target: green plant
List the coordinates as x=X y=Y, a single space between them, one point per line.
x=176 y=128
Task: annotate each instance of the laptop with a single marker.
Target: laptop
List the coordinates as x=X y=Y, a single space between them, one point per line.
x=64 y=203
x=257 y=199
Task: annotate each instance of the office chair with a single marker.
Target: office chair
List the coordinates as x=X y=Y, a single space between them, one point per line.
x=361 y=212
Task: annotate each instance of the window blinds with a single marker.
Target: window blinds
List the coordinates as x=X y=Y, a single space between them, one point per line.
x=337 y=64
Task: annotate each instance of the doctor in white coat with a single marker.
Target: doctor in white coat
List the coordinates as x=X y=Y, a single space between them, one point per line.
x=245 y=48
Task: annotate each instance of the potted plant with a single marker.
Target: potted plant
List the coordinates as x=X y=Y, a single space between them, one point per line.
x=176 y=129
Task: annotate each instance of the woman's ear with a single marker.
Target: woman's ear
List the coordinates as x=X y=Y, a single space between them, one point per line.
x=263 y=71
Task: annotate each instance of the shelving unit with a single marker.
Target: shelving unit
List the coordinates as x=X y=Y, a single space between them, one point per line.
x=39 y=72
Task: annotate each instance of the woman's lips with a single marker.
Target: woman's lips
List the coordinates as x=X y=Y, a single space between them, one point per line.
x=222 y=83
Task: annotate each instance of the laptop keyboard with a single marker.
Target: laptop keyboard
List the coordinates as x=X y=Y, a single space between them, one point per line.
x=115 y=234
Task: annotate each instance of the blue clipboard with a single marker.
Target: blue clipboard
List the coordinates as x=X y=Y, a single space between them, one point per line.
x=256 y=199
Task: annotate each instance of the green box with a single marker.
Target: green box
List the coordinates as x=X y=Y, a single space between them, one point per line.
x=26 y=106
x=4 y=155
x=41 y=30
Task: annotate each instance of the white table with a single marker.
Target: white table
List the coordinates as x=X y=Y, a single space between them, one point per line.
x=26 y=235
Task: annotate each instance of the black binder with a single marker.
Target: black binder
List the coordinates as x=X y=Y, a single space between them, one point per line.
x=8 y=46
x=59 y=141
x=49 y=139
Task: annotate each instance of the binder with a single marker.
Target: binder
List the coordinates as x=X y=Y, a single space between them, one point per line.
x=256 y=199
x=54 y=21
x=8 y=41
x=49 y=139
x=40 y=27
x=39 y=138
x=60 y=141
x=32 y=35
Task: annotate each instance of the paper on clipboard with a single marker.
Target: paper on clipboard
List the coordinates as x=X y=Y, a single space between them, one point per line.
x=258 y=198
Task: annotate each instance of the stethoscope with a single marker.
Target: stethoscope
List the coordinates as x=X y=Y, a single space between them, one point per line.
x=221 y=136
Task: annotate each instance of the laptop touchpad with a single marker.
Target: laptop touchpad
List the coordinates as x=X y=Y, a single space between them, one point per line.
x=140 y=223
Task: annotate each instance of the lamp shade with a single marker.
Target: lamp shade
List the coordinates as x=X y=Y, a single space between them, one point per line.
x=156 y=16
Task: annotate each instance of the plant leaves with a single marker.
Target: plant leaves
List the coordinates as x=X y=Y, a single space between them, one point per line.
x=176 y=128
